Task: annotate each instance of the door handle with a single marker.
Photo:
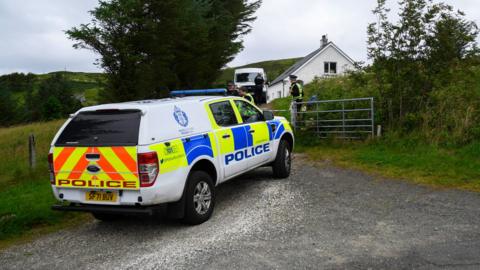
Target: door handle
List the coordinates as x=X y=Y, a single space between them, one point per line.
x=252 y=131
x=274 y=127
x=226 y=136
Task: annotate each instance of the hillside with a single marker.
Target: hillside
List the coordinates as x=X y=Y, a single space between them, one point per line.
x=86 y=86
x=83 y=84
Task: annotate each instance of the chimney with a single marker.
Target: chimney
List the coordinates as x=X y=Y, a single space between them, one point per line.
x=324 y=41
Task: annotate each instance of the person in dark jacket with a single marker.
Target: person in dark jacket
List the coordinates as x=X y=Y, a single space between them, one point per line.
x=231 y=89
x=259 y=82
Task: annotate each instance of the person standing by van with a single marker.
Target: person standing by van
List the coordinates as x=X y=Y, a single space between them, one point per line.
x=243 y=92
x=259 y=82
x=231 y=89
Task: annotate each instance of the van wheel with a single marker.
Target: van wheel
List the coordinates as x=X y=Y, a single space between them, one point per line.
x=105 y=217
x=283 y=162
x=200 y=198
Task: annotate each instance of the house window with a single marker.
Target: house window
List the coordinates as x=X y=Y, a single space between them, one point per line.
x=330 y=68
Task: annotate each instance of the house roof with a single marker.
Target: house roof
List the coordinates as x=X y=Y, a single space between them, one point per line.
x=302 y=62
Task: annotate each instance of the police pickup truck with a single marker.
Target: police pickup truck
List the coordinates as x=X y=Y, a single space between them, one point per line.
x=167 y=155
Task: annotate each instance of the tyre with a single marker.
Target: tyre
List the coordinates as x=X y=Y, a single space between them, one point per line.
x=283 y=162
x=105 y=217
x=199 y=198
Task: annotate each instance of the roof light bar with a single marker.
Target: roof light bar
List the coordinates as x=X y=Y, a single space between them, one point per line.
x=198 y=92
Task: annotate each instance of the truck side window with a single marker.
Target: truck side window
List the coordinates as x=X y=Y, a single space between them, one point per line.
x=223 y=113
x=249 y=113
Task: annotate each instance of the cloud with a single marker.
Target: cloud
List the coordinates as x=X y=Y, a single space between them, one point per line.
x=33 y=38
x=286 y=28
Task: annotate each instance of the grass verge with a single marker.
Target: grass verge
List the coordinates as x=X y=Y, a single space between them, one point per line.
x=25 y=193
x=403 y=158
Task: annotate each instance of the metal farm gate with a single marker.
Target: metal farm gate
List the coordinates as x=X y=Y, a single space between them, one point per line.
x=344 y=118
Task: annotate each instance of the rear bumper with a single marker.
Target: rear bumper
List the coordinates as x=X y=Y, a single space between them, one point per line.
x=112 y=209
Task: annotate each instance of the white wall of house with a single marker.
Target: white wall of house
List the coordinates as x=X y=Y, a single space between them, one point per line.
x=277 y=91
x=315 y=68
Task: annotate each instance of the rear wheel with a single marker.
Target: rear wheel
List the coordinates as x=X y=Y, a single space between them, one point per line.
x=283 y=162
x=200 y=198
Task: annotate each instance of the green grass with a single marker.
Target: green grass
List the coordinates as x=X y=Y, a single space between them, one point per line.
x=25 y=194
x=403 y=158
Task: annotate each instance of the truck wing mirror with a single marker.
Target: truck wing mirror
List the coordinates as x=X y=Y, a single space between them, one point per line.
x=268 y=115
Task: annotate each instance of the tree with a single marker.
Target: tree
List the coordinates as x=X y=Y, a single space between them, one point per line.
x=149 y=47
x=412 y=55
x=53 y=100
x=8 y=108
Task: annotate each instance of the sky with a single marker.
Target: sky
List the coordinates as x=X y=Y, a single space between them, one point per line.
x=32 y=37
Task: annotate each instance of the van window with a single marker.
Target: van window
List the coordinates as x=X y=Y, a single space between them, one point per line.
x=223 y=114
x=245 y=77
x=102 y=128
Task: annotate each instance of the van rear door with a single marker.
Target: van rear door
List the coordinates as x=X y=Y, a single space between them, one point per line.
x=98 y=149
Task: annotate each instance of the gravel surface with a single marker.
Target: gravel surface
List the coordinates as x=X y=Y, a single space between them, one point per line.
x=320 y=218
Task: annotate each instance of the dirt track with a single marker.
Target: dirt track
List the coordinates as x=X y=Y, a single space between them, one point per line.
x=321 y=217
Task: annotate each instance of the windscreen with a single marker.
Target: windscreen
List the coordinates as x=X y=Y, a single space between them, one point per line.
x=246 y=77
x=102 y=128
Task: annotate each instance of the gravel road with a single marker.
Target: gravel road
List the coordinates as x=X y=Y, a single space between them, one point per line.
x=320 y=218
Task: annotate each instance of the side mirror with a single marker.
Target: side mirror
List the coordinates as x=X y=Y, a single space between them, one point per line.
x=268 y=115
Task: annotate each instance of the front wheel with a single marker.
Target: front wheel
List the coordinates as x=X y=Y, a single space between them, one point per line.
x=200 y=198
x=283 y=162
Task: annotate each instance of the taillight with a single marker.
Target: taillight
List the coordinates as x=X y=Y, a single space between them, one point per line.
x=147 y=168
x=51 y=169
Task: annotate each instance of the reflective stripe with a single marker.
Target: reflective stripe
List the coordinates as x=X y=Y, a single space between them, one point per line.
x=226 y=145
x=242 y=137
x=129 y=160
x=249 y=98
x=80 y=166
x=62 y=156
x=171 y=157
x=115 y=164
x=196 y=147
x=262 y=133
x=300 y=90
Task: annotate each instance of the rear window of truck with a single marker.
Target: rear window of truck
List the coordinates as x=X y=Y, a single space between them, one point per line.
x=102 y=128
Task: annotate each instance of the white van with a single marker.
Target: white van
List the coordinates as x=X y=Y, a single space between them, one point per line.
x=246 y=77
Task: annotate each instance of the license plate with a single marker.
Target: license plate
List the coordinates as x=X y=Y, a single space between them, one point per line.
x=101 y=196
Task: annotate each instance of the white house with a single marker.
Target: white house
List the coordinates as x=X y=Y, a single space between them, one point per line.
x=326 y=61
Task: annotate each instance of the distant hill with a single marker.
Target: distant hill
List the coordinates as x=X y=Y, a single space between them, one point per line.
x=86 y=86
x=273 y=68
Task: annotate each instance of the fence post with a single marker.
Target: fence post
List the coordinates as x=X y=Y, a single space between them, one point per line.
x=343 y=119
x=317 y=124
x=32 y=157
x=372 y=116
x=293 y=114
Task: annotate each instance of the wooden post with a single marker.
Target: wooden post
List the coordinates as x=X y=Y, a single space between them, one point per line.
x=32 y=157
x=379 y=131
